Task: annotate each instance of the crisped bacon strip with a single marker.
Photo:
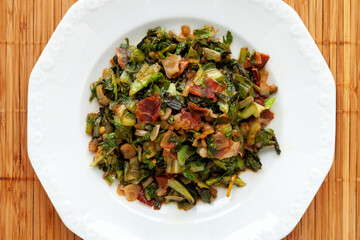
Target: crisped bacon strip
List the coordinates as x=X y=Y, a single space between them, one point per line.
x=148 y=109
x=143 y=199
x=196 y=109
x=211 y=86
x=261 y=59
x=162 y=182
x=189 y=120
x=203 y=112
x=174 y=66
x=266 y=117
x=255 y=73
x=122 y=57
x=197 y=90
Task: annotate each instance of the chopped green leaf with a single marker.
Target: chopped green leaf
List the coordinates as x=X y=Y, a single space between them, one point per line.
x=269 y=102
x=252 y=161
x=206 y=32
x=180 y=189
x=110 y=142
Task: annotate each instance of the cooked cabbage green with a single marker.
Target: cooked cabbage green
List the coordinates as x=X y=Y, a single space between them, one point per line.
x=179 y=117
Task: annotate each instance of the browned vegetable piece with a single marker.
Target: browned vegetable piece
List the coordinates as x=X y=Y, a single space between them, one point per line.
x=164 y=125
x=231 y=151
x=166 y=114
x=174 y=65
x=120 y=190
x=161 y=192
x=155 y=132
x=103 y=100
x=153 y=56
x=140 y=133
x=132 y=192
x=119 y=110
x=185 y=30
x=260 y=59
x=128 y=151
x=93 y=145
x=213 y=192
x=220 y=141
x=202 y=152
x=174 y=198
x=102 y=130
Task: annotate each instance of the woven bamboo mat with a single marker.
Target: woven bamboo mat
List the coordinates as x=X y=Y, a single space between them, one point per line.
x=27 y=213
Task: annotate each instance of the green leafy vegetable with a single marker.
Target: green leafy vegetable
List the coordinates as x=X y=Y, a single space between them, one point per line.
x=253 y=109
x=110 y=142
x=244 y=54
x=206 y=32
x=269 y=102
x=215 y=74
x=190 y=175
x=181 y=189
x=150 y=192
x=212 y=54
x=90 y=123
x=109 y=177
x=184 y=153
x=252 y=161
x=206 y=125
x=243 y=85
x=205 y=195
x=180 y=47
x=197 y=166
x=144 y=77
x=228 y=39
x=199 y=78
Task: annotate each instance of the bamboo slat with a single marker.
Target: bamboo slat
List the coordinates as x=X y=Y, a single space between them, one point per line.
x=22 y=124
x=2 y=116
x=27 y=213
x=356 y=22
x=29 y=172
x=333 y=207
x=353 y=118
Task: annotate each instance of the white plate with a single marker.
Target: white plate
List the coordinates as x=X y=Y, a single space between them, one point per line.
x=274 y=199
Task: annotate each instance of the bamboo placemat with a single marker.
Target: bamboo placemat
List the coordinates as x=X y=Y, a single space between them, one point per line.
x=27 y=213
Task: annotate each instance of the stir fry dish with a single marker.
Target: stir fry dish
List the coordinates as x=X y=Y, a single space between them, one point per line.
x=179 y=116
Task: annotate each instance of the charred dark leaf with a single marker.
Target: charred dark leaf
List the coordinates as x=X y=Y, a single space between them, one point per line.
x=252 y=161
x=172 y=103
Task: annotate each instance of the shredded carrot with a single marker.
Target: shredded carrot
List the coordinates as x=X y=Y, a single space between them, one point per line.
x=207 y=129
x=203 y=142
x=230 y=185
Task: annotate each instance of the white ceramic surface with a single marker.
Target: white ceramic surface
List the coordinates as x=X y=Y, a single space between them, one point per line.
x=273 y=200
